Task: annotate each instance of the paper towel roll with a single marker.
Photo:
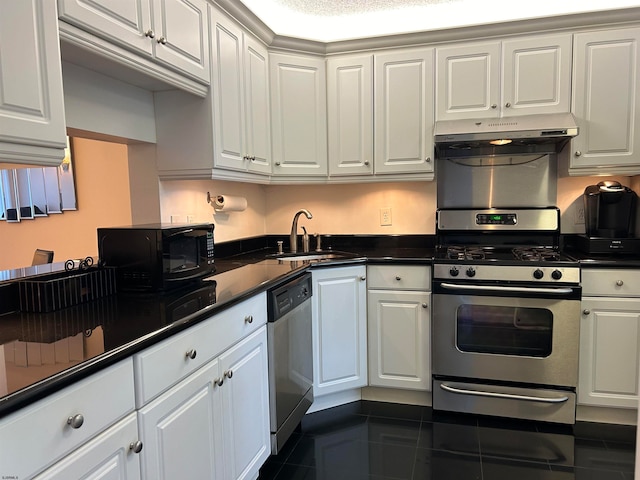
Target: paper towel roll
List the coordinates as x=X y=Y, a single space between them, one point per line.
x=228 y=203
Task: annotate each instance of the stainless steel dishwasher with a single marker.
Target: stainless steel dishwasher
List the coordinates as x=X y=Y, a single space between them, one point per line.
x=290 y=357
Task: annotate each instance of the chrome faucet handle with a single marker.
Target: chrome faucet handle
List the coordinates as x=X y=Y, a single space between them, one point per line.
x=318 y=242
x=280 y=249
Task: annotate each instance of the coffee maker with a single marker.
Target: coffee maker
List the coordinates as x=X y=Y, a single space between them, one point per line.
x=609 y=215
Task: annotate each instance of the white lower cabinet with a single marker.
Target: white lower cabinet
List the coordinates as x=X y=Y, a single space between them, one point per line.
x=113 y=455
x=399 y=319
x=609 y=338
x=215 y=423
x=339 y=329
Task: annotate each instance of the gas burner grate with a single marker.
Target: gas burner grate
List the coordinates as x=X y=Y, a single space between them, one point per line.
x=536 y=254
x=465 y=253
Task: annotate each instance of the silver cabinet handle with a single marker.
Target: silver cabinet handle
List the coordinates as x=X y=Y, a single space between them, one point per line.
x=578 y=153
x=248 y=319
x=228 y=374
x=135 y=447
x=363 y=278
x=428 y=159
x=586 y=311
x=278 y=164
x=398 y=277
x=424 y=305
x=162 y=40
x=508 y=104
x=494 y=106
x=619 y=283
x=191 y=354
x=218 y=381
x=481 y=393
x=149 y=33
x=75 y=421
x=366 y=162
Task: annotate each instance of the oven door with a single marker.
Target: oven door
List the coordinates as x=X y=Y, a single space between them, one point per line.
x=519 y=334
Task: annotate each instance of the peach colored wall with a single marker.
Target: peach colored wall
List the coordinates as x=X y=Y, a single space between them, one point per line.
x=353 y=208
x=182 y=198
x=102 y=189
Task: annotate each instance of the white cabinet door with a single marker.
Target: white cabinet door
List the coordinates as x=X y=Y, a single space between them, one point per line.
x=299 y=114
x=350 y=114
x=32 y=123
x=606 y=104
x=245 y=405
x=468 y=81
x=536 y=75
x=399 y=339
x=527 y=75
x=182 y=38
x=112 y=455
x=404 y=111
x=609 y=336
x=339 y=329
x=180 y=430
x=125 y=22
x=240 y=98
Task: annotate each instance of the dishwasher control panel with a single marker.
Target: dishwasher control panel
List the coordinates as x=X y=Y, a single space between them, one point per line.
x=286 y=297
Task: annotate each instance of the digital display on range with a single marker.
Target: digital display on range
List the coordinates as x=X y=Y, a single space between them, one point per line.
x=496 y=219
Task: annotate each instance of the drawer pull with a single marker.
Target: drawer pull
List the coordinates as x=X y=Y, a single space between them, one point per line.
x=135 y=447
x=586 y=311
x=424 y=305
x=248 y=319
x=218 y=382
x=363 y=278
x=228 y=373
x=619 y=283
x=75 y=421
x=191 y=354
x=398 y=277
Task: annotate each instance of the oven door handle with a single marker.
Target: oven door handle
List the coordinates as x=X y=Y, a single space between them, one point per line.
x=510 y=396
x=494 y=288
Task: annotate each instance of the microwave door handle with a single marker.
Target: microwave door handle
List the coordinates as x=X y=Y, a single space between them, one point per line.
x=510 y=396
x=495 y=288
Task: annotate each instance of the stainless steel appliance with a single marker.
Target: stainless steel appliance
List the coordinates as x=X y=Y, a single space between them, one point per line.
x=290 y=357
x=610 y=214
x=506 y=313
x=154 y=257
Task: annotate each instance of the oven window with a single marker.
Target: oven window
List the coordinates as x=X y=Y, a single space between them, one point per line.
x=504 y=330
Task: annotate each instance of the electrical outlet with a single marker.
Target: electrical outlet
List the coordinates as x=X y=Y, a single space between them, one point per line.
x=190 y=218
x=177 y=219
x=579 y=220
x=385 y=216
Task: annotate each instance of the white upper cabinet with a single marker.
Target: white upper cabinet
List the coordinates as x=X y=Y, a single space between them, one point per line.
x=606 y=77
x=32 y=122
x=403 y=85
x=299 y=115
x=526 y=75
x=240 y=98
x=172 y=32
x=350 y=114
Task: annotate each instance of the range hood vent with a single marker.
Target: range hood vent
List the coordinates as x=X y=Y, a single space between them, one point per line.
x=524 y=135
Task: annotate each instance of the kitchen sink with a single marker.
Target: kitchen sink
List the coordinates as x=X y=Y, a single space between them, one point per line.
x=311 y=256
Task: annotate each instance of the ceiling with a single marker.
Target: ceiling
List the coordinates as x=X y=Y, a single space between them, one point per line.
x=335 y=20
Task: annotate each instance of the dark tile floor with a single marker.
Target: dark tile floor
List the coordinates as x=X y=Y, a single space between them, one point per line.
x=379 y=441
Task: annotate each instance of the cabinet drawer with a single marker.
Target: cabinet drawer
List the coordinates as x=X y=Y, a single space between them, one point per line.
x=159 y=367
x=399 y=277
x=38 y=435
x=610 y=282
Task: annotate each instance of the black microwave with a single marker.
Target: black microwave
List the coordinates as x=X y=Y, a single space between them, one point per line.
x=156 y=257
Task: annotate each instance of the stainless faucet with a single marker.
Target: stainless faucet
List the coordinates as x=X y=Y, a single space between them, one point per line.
x=293 y=238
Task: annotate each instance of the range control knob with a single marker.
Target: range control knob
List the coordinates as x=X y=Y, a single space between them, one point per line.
x=556 y=274
x=538 y=274
x=454 y=271
x=471 y=272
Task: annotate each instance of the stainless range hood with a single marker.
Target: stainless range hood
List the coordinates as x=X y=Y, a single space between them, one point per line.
x=524 y=135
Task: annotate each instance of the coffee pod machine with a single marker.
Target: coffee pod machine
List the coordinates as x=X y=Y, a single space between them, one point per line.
x=609 y=217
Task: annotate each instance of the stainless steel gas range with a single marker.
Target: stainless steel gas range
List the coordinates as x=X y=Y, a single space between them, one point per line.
x=506 y=313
